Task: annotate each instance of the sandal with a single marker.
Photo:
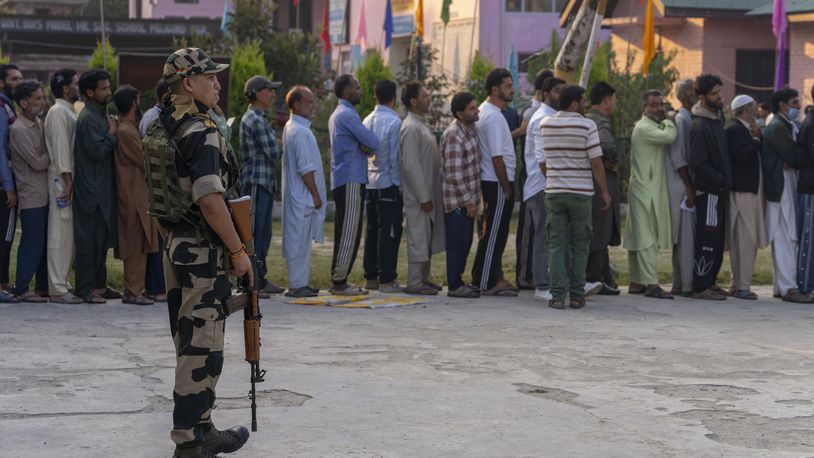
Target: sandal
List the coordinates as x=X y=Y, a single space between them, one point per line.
x=636 y=288
x=67 y=298
x=500 y=290
x=138 y=300
x=94 y=299
x=745 y=294
x=110 y=293
x=33 y=298
x=577 y=302
x=558 y=304
x=658 y=293
x=8 y=298
x=709 y=295
x=347 y=290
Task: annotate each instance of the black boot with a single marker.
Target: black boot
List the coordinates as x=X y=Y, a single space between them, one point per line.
x=193 y=452
x=225 y=441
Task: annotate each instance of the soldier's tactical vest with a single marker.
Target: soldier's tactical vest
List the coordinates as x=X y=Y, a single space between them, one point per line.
x=171 y=201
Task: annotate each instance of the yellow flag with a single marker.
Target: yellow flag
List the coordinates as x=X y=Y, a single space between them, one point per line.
x=419 y=18
x=649 y=39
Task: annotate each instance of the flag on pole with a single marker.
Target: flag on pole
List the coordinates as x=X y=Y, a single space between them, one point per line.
x=388 y=26
x=325 y=35
x=779 y=26
x=361 y=35
x=226 y=20
x=649 y=39
x=419 y=18
x=445 y=11
x=296 y=3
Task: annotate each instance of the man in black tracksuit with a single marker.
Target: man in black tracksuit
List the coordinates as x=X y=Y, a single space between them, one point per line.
x=711 y=172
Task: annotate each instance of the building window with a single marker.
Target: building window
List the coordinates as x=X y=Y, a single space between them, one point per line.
x=535 y=6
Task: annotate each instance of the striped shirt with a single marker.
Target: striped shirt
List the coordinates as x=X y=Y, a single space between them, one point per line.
x=571 y=141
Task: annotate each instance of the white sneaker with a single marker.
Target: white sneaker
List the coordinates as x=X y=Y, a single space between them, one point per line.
x=543 y=294
x=592 y=288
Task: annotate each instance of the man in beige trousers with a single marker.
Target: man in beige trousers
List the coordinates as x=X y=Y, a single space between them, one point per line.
x=423 y=198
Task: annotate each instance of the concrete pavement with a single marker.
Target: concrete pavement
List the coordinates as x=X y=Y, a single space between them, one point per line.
x=624 y=377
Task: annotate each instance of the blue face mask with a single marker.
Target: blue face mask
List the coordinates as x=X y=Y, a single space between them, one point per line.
x=794 y=114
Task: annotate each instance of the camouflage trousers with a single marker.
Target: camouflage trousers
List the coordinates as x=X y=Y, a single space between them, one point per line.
x=197 y=283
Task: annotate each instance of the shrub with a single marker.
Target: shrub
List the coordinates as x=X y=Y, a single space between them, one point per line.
x=372 y=70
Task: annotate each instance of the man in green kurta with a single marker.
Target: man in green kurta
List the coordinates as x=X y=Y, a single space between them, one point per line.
x=93 y=190
x=648 y=218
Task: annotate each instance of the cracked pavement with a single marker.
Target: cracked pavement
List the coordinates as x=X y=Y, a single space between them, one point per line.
x=626 y=376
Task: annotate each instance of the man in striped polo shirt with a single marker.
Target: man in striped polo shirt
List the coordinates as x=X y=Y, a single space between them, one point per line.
x=573 y=159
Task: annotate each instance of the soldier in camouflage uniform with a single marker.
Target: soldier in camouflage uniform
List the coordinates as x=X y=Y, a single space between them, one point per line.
x=197 y=258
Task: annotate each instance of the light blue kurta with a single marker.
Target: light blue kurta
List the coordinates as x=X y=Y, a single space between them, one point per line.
x=300 y=157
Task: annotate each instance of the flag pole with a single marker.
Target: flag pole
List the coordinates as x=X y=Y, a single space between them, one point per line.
x=104 y=42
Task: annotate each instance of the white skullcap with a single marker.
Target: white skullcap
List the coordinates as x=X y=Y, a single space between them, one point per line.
x=741 y=101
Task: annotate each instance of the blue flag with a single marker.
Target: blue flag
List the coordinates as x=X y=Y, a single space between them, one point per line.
x=388 y=26
x=513 y=67
x=227 y=19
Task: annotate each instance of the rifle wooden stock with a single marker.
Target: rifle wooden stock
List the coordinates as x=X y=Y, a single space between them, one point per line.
x=241 y=210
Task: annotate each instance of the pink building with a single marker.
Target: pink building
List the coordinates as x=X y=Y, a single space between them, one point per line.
x=492 y=27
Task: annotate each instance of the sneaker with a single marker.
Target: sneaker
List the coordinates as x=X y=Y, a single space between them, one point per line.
x=372 y=284
x=464 y=291
x=608 y=290
x=592 y=288
x=543 y=294
x=304 y=291
x=193 y=452
x=392 y=287
x=227 y=441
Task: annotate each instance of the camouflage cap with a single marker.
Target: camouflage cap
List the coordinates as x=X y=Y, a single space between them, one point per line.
x=187 y=62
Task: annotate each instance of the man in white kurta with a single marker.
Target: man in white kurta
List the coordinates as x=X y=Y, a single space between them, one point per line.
x=303 y=192
x=423 y=198
x=60 y=129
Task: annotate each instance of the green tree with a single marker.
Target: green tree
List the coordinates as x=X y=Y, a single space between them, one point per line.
x=476 y=79
x=252 y=20
x=435 y=81
x=247 y=61
x=104 y=58
x=372 y=70
x=294 y=58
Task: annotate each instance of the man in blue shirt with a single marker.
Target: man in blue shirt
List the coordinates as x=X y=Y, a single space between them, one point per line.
x=259 y=151
x=351 y=145
x=383 y=195
x=10 y=76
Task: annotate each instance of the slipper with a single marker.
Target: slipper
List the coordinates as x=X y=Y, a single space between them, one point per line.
x=577 y=302
x=138 y=300
x=658 y=293
x=94 y=299
x=66 y=298
x=745 y=294
x=433 y=285
x=304 y=291
x=500 y=290
x=33 y=298
x=8 y=298
x=636 y=289
x=558 y=304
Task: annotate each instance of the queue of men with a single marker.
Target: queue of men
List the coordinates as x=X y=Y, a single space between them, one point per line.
x=696 y=188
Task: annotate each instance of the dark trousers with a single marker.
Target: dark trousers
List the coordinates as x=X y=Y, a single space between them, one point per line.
x=710 y=214
x=31 y=254
x=524 y=244
x=263 y=203
x=492 y=237
x=8 y=224
x=154 y=279
x=459 y=229
x=383 y=233
x=348 y=199
x=599 y=268
x=91 y=254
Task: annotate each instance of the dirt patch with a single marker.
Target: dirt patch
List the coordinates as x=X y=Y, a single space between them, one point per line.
x=552 y=394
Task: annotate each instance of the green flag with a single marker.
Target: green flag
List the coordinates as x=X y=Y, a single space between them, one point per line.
x=445 y=11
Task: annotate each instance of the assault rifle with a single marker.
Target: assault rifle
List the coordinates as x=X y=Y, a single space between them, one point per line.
x=241 y=210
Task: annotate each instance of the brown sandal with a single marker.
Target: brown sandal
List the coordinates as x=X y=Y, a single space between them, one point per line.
x=577 y=302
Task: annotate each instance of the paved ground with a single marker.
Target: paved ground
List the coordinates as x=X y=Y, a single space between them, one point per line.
x=623 y=377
